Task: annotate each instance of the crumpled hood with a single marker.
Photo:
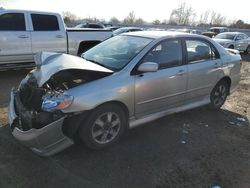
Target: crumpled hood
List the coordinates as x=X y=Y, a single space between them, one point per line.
x=222 y=41
x=47 y=64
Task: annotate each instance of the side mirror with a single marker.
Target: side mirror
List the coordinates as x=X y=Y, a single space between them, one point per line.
x=148 y=67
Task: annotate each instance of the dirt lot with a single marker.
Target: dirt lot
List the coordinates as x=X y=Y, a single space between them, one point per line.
x=197 y=148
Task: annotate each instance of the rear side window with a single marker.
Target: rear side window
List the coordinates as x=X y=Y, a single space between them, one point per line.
x=199 y=51
x=44 y=22
x=94 y=26
x=12 y=22
x=167 y=54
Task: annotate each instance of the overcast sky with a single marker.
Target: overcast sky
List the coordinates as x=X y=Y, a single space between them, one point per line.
x=147 y=10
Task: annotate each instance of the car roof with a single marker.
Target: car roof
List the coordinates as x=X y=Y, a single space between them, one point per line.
x=129 y=28
x=26 y=11
x=158 y=34
x=232 y=33
x=218 y=28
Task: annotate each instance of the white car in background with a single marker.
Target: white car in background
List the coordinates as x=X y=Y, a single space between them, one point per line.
x=234 y=40
x=24 y=33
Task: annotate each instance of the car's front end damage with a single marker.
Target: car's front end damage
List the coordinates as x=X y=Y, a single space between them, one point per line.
x=36 y=111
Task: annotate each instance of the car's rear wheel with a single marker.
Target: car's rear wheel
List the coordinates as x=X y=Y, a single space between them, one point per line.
x=104 y=126
x=219 y=94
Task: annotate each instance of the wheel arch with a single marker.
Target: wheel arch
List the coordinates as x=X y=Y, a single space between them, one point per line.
x=118 y=103
x=227 y=79
x=72 y=132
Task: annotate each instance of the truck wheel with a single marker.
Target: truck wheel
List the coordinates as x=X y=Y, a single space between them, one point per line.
x=247 y=50
x=219 y=94
x=105 y=126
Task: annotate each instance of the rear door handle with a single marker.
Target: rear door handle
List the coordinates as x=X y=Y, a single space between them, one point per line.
x=180 y=72
x=23 y=36
x=59 y=36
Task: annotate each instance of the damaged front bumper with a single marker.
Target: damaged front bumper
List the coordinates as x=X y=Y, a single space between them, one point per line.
x=46 y=140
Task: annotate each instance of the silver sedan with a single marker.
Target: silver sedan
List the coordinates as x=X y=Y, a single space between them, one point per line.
x=234 y=40
x=124 y=82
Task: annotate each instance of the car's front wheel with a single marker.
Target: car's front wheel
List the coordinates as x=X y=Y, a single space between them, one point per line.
x=105 y=125
x=219 y=94
x=247 y=50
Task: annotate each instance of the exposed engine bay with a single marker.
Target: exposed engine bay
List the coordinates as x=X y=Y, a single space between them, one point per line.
x=31 y=95
x=34 y=99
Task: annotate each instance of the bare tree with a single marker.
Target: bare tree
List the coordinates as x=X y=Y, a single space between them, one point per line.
x=114 y=21
x=164 y=22
x=217 y=19
x=204 y=18
x=156 y=22
x=139 y=21
x=68 y=17
x=182 y=15
x=130 y=19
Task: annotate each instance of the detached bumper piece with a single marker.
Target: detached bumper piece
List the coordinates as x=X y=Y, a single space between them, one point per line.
x=41 y=132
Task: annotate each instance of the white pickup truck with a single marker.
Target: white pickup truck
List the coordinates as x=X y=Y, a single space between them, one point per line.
x=24 y=33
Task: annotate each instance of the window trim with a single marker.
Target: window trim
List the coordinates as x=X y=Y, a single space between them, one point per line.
x=180 y=39
x=37 y=13
x=212 y=47
x=24 y=19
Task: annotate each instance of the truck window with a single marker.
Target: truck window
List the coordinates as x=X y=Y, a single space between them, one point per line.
x=44 y=22
x=12 y=22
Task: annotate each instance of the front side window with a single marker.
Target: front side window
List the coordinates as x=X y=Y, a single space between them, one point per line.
x=167 y=54
x=12 y=22
x=116 y=52
x=199 y=51
x=44 y=22
x=242 y=36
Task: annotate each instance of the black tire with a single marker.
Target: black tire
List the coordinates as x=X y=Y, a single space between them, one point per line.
x=247 y=50
x=219 y=94
x=231 y=47
x=98 y=127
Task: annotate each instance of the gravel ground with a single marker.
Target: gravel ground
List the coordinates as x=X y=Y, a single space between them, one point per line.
x=197 y=148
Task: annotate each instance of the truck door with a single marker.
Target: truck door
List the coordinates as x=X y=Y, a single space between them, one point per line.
x=47 y=33
x=15 y=42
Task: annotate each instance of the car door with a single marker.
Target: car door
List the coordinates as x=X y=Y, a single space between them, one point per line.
x=203 y=69
x=47 y=34
x=15 y=42
x=164 y=89
x=242 y=42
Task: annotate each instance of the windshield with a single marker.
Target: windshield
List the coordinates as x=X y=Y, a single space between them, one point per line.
x=116 y=52
x=119 y=31
x=229 y=36
x=215 y=30
x=79 y=26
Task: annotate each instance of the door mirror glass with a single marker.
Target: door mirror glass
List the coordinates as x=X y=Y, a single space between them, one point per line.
x=148 y=67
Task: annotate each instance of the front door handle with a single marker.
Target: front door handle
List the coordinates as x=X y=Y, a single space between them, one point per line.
x=180 y=72
x=23 y=36
x=59 y=36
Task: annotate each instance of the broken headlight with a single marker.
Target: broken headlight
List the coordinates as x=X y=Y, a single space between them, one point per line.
x=56 y=101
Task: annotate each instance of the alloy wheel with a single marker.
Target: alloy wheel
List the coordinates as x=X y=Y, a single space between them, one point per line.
x=106 y=127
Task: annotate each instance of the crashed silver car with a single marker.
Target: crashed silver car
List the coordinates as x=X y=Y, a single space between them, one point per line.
x=125 y=81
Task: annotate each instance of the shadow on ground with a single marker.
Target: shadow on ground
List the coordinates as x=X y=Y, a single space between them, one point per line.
x=215 y=152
